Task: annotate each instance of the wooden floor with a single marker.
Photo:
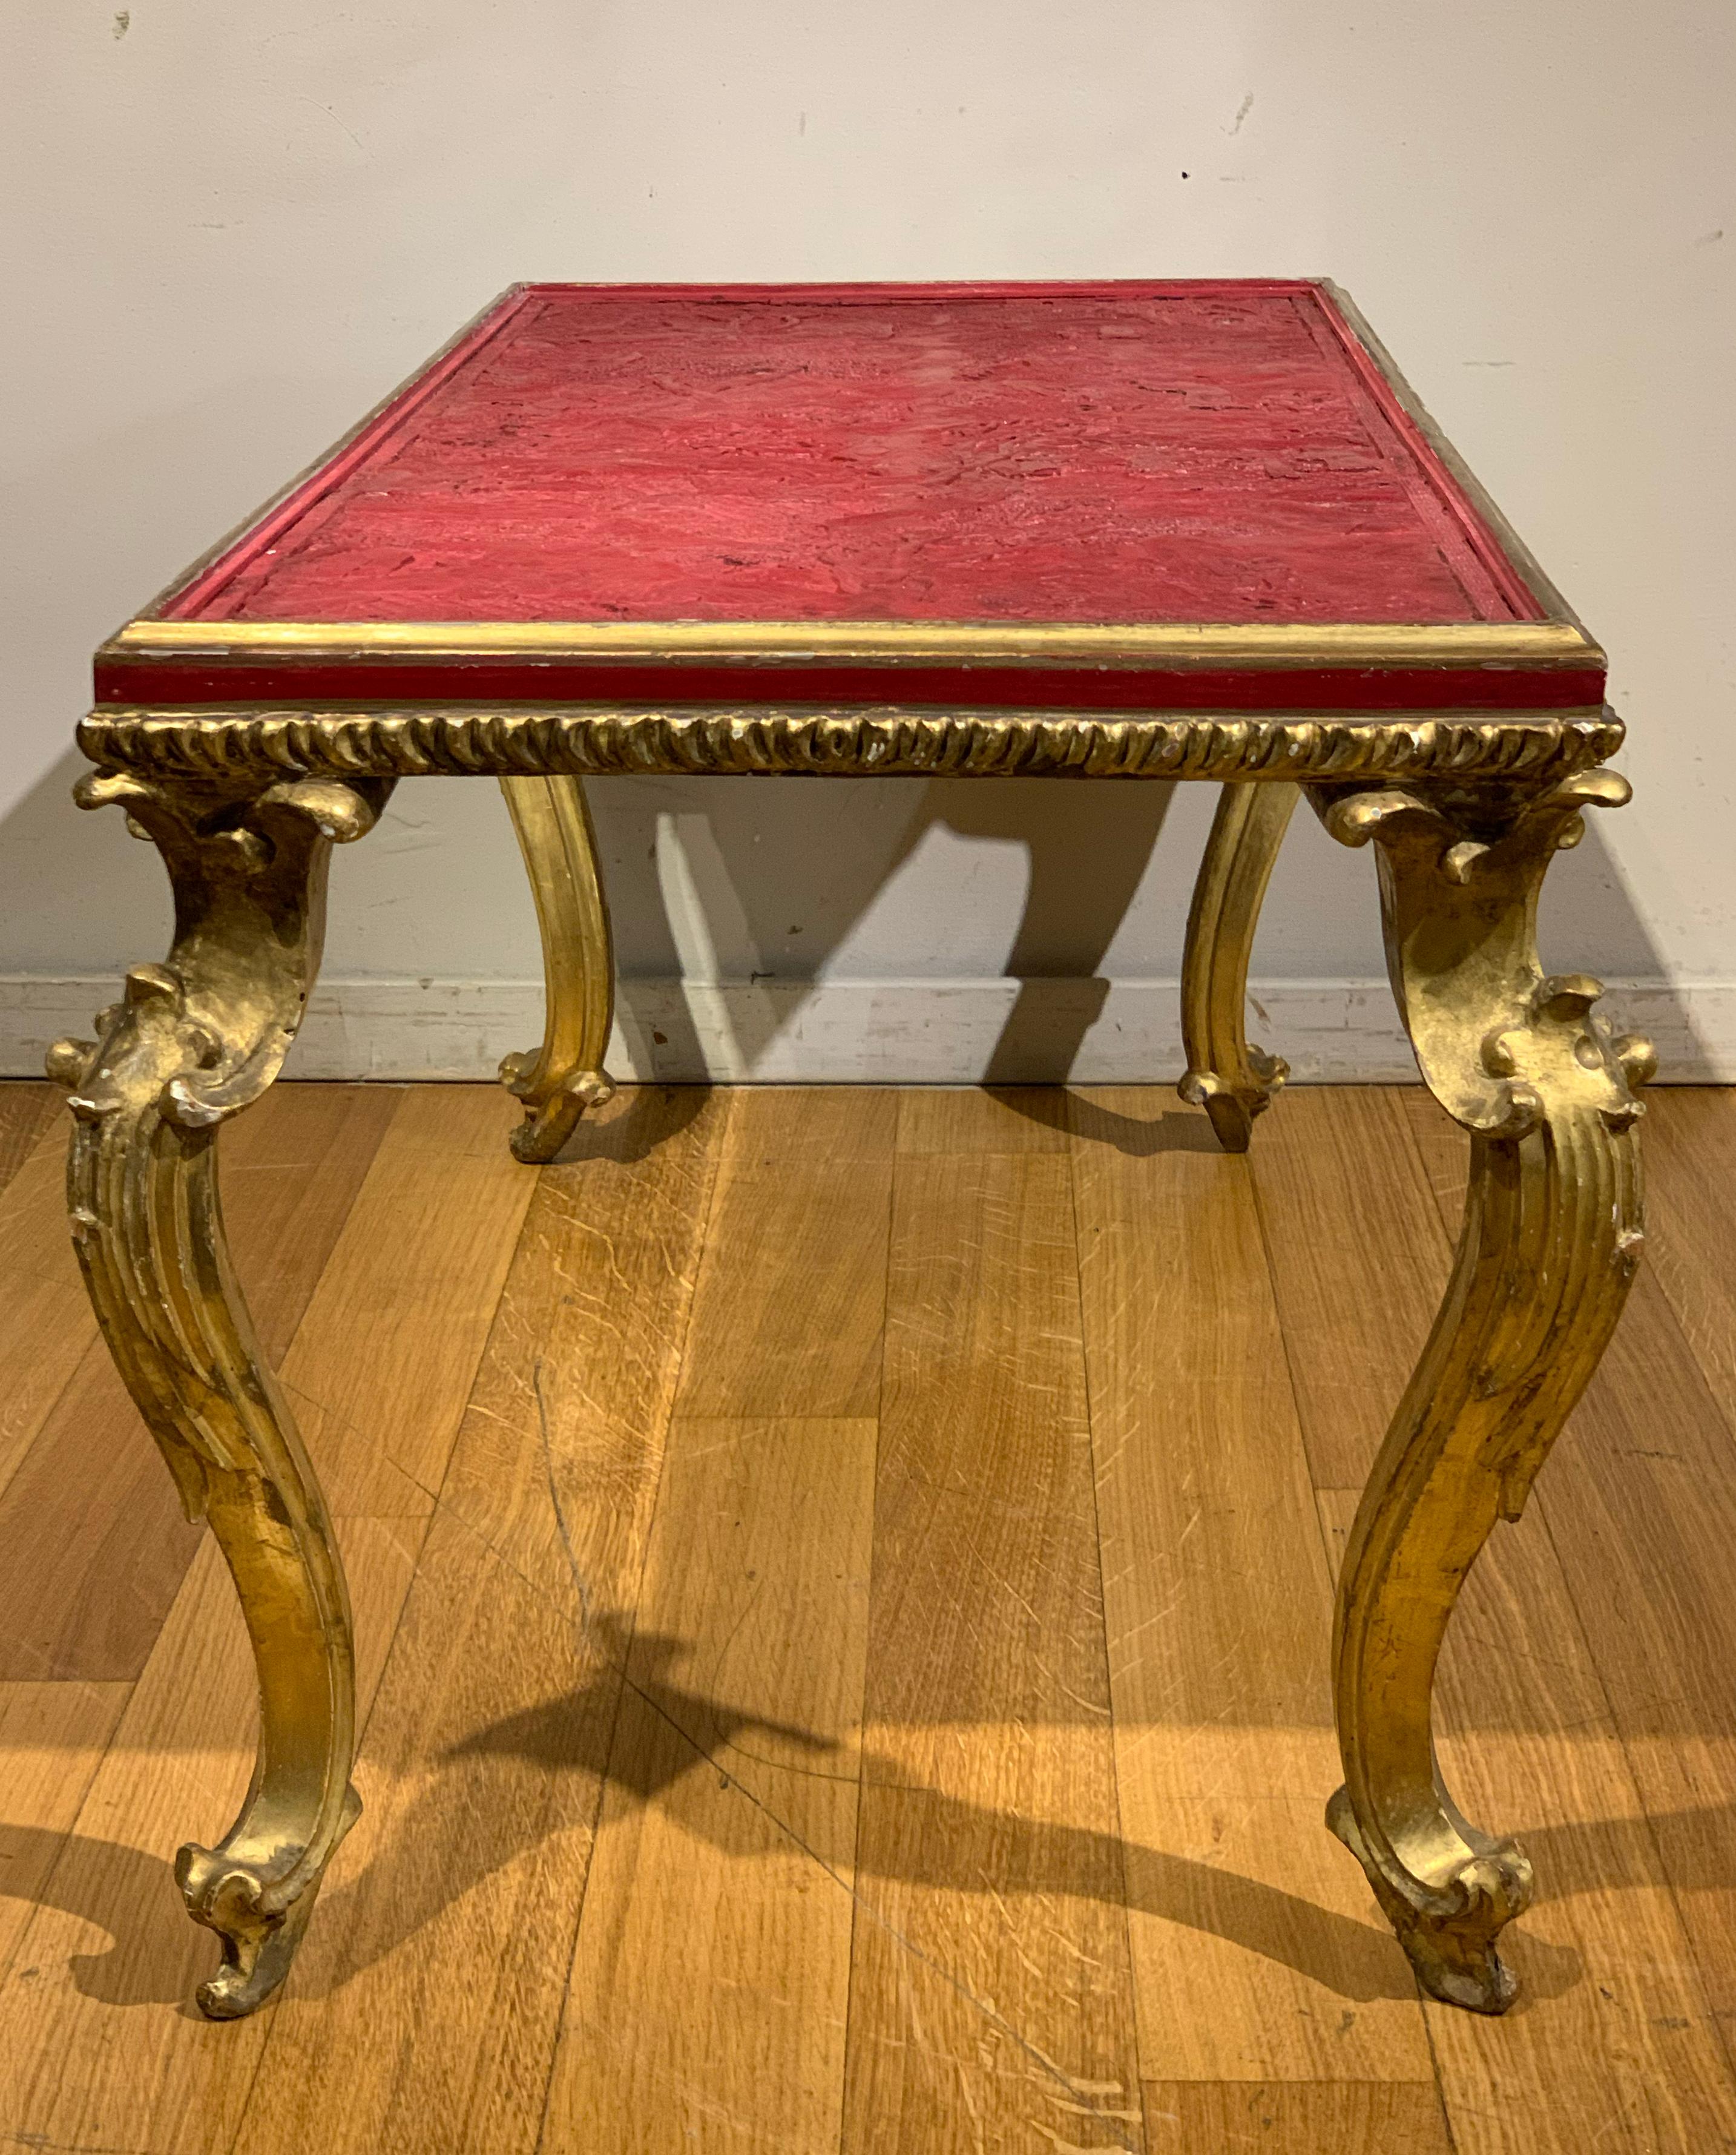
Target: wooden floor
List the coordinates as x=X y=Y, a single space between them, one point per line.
x=842 y=1581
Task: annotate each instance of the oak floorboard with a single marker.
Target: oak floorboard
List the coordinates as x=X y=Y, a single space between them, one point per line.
x=1340 y=1189
x=52 y=1737
x=791 y=1303
x=574 y=1394
x=708 y=2001
x=940 y=1120
x=423 y=2011
x=1445 y=1152
x=991 y=1997
x=432 y=1230
x=1256 y=1958
x=28 y=1110
x=1295 y=2118
x=1022 y=1862
x=105 y=1970
x=421 y=2014
x=1688 y=1143
x=1612 y=2045
x=47 y=1325
x=93 y=1544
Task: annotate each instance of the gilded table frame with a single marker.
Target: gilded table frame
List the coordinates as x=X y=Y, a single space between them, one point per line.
x=1463 y=758
x=1463 y=815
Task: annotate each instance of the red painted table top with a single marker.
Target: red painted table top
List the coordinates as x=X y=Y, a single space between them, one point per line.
x=1093 y=496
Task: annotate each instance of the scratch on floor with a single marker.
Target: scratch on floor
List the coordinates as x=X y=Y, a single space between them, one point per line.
x=1011 y=1928
x=1064 y=2147
x=1131 y=2116
x=334 y=1420
x=47 y=2147
x=1081 y=2090
x=560 y=1510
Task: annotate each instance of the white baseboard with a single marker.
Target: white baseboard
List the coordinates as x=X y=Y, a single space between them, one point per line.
x=858 y=1031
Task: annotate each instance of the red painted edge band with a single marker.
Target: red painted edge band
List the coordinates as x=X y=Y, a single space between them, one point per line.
x=179 y=682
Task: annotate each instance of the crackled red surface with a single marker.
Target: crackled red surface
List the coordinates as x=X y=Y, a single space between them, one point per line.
x=1153 y=452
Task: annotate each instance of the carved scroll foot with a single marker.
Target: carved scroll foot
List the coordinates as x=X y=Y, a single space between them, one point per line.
x=563 y=1077
x=1231 y=1080
x=1551 y=1241
x=553 y=1109
x=237 y=1901
x=194 y=1042
x=1450 y=1937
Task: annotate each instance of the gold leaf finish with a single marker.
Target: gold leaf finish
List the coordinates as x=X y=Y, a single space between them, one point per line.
x=1231 y=1080
x=231 y=746
x=1463 y=813
x=1547 y=643
x=1551 y=1241
x=192 y=1043
x=558 y=1081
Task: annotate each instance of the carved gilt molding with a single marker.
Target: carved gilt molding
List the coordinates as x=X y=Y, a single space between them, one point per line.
x=226 y=746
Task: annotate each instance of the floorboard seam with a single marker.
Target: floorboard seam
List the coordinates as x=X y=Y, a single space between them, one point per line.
x=1325 y=1539
x=1073 y=1141
x=708 y=1210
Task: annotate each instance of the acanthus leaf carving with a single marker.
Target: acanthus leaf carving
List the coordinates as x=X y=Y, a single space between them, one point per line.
x=1551 y=1237
x=201 y=1035
x=193 y=1041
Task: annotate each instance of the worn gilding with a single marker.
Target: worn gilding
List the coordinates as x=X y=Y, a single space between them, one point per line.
x=229 y=745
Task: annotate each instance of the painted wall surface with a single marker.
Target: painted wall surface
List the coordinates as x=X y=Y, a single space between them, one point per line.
x=231 y=229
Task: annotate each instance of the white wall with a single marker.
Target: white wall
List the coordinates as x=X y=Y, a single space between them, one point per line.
x=233 y=227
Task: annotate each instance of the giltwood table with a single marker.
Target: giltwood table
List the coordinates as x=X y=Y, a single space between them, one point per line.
x=1122 y=531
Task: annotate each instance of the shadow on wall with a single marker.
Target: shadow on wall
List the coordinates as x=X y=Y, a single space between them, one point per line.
x=771 y=886
x=880 y=928
x=759 y=896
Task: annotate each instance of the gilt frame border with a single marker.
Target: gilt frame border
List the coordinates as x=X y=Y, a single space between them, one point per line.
x=1557 y=640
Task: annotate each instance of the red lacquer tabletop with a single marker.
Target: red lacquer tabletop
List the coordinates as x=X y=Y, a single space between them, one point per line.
x=1133 y=495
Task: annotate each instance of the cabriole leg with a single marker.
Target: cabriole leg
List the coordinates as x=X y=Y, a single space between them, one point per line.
x=558 y=1081
x=194 y=1042
x=1232 y=1080
x=1550 y=1241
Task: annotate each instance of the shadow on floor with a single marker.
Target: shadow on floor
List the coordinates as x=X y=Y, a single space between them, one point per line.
x=683 y=1751
x=647 y=1116
x=651 y=1114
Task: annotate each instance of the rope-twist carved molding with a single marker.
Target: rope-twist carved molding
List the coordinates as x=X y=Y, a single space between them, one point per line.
x=208 y=747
